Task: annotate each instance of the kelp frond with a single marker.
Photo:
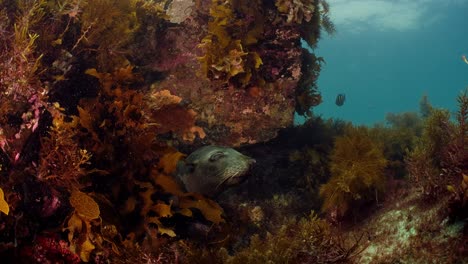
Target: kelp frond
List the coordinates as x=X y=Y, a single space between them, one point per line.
x=357 y=166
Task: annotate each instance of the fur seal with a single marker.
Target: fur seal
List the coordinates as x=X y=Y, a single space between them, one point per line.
x=212 y=169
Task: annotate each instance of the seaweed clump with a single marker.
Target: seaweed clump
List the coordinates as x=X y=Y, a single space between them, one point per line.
x=121 y=127
x=307 y=94
x=97 y=31
x=310 y=156
x=22 y=93
x=424 y=161
x=398 y=137
x=438 y=164
x=241 y=51
x=309 y=240
x=60 y=147
x=312 y=16
x=88 y=147
x=229 y=46
x=357 y=166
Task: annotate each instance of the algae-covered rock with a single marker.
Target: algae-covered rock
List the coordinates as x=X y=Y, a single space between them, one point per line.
x=237 y=63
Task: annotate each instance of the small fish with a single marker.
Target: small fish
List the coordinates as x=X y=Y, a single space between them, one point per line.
x=340 y=99
x=464 y=59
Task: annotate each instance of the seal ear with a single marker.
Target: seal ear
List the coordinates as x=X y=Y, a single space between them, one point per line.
x=183 y=169
x=189 y=168
x=181 y=174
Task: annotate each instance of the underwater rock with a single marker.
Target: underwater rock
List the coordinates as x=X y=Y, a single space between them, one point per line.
x=179 y=10
x=229 y=113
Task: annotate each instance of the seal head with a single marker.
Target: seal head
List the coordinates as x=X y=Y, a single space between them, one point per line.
x=211 y=169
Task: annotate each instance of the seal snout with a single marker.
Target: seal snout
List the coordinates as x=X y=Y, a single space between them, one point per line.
x=248 y=162
x=252 y=163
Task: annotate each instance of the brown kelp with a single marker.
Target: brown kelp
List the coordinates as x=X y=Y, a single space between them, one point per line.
x=92 y=117
x=438 y=164
x=357 y=165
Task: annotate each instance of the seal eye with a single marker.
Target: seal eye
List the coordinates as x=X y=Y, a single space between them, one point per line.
x=216 y=156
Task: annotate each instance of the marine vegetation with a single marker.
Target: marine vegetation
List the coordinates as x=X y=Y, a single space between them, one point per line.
x=60 y=147
x=311 y=154
x=307 y=95
x=100 y=100
x=93 y=119
x=311 y=15
x=231 y=41
x=357 y=166
x=308 y=240
x=235 y=46
x=425 y=107
x=88 y=29
x=22 y=93
x=438 y=163
x=424 y=161
x=398 y=136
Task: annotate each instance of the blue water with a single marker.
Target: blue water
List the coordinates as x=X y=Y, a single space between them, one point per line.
x=387 y=54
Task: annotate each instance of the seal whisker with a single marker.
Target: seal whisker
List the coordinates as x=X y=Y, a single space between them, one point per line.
x=224 y=179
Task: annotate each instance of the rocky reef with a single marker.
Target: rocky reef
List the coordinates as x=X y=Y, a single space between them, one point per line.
x=101 y=99
x=238 y=64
